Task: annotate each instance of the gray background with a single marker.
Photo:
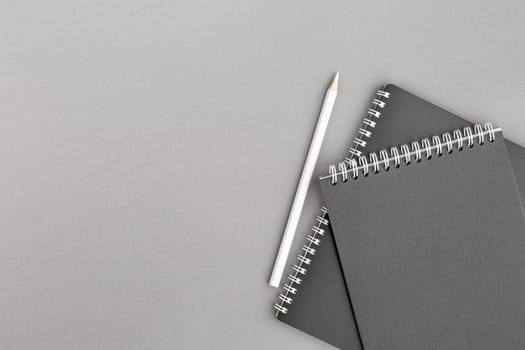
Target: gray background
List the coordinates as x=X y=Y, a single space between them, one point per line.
x=150 y=150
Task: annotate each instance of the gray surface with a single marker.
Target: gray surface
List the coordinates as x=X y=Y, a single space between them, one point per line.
x=143 y=202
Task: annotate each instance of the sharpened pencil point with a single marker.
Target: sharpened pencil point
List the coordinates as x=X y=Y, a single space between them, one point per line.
x=333 y=85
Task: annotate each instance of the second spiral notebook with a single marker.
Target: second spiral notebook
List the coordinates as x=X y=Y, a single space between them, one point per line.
x=431 y=240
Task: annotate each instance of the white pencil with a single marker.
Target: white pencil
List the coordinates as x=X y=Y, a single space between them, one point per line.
x=304 y=182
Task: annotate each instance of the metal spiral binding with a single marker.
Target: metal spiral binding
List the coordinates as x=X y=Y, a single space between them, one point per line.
x=360 y=141
x=304 y=259
x=369 y=123
x=417 y=151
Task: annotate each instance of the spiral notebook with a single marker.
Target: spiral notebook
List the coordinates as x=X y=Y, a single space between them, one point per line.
x=431 y=239
x=314 y=298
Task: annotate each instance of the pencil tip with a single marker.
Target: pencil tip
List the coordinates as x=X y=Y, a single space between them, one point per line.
x=333 y=85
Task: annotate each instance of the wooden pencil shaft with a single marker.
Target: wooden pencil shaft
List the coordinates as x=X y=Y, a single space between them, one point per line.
x=304 y=182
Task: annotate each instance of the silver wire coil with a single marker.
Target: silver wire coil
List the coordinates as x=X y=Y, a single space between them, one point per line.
x=405 y=154
x=369 y=123
x=299 y=269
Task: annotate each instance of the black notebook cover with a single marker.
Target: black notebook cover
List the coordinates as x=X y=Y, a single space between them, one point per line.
x=433 y=249
x=321 y=306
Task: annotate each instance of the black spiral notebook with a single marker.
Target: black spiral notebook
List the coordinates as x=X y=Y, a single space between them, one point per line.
x=314 y=298
x=431 y=239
